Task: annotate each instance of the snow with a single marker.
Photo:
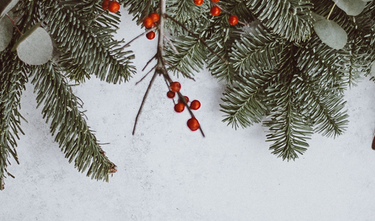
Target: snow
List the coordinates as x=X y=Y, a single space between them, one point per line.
x=166 y=172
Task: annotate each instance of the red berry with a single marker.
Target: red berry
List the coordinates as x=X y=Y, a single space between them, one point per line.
x=195 y=105
x=170 y=94
x=105 y=4
x=154 y=16
x=114 y=6
x=148 y=23
x=214 y=1
x=150 y=35
x=233 y=20
x=175 y=86
x=215 y=10
x=198 y=2
x=179 y=107
x=186 y=99
x=193 y=124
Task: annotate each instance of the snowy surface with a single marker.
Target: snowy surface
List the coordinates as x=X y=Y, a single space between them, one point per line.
x=168 y=173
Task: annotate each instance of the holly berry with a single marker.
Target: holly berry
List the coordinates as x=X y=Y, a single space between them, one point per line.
x=154 y=16
x=193 y=124
x=179 y=107
x=114 y=6
x=170 y=94
x=233 y=20
x=175 y=86
x=195 y=105
x=186 y=99
x=198 y=2
x=214 y=1
x=105 y=4
x=148 y=22
x=215 y=10
x=150 y=35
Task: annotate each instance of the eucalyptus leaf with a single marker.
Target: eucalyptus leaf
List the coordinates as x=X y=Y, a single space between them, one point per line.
x=37 y=48
x=6 y=6
x=6 y=32
x=25 y=35
x=351 y=7
x=331 y=33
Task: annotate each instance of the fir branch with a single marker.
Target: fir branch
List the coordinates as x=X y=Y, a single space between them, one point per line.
x=73 y=135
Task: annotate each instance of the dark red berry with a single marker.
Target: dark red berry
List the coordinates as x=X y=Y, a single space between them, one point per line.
x=148 y=23
x=114 y=6
x=215 y=10
x=175 y=86
x=105 y=4
x=193 y=124
x=214 y=1
x=198 y=2
x=154 y=16
x=170 y=94
x=233 y=20
x=186 y=99
x=150 y=35
x=195 y=105
x=179 y=107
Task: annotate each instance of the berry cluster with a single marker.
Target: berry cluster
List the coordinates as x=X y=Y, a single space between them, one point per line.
x=216 y=10
x=112 y=6
x=149 y=22
x=175 y=87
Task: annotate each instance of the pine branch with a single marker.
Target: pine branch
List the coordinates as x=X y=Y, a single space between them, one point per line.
x=74 y=137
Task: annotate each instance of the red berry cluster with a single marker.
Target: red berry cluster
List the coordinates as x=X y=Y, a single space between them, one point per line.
x=149 y=22
x=175 y=87
x=112 y=6
x=216 y=10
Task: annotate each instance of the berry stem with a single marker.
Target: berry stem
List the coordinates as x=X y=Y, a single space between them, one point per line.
x=149 y=61
x=145 y=75
x=140 y=35
x=11 y=20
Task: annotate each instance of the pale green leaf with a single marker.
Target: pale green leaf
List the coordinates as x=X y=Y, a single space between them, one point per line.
x=6 y=32
x=373 y=69
x=36 y=49
x=331 y=33
x=351 y=7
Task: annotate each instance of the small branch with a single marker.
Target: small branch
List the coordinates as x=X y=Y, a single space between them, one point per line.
x=140 y=35
x=196 y=36
x=11 y=20
x=331 y=11
x=172 y=45
x=145 y=75
x=149 y=61
x=143 y=101
x=186 y=75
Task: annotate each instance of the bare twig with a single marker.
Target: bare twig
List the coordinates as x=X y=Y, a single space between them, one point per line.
x=186 y=75
x=149 y=61
x=11 y=20
x=197 y=37
x=143 y=101
x=145 y=75
x=140 y=35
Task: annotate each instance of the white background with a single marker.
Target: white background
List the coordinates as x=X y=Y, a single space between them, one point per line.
x=166 y=172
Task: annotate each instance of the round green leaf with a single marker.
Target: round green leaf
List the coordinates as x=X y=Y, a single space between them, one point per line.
x=351 y=7
x=36 y=49
x=331 y=33
x=6 y=6
x=6 y=32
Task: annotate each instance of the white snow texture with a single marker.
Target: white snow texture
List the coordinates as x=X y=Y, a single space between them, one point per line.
x=168 y=173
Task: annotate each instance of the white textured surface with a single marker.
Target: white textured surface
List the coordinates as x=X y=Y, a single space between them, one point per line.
x=165 y=172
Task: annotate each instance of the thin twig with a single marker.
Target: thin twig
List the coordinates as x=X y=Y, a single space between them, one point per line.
x=143 y=101
x=11 y=20
x=149 y=61
x=140 y=35
x=186 y=75
x=172 y=45
x=145 y=75
x=196 y=36
x=331 y=11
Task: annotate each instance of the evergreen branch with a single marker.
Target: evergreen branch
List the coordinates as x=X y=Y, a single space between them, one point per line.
x=73 y=135
x=106 y=59
x=13 y=79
